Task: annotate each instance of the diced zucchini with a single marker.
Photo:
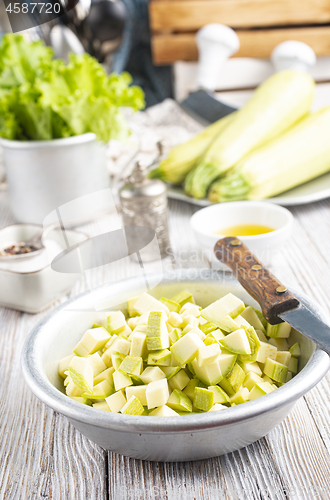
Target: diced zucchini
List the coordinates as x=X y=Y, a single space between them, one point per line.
x=116 y=401
x=208 y=327
x=179 y=381
x=132 y=407
x=281 y=331
x=102 y=405
x=147 y=303
x=101 y=390
x=293 y=365
x=175 y=319
x=121 y=379
x=275 y=370
x=233 y=381
x=241 y=322
x=190 y=309
x=171 y=305
x=130 y=307
x=237 y=342
x=262 y=337
x=280 y=344
x=183 y=297
x=252 y=367
x=132 y=365
x=260 y=389
x=64 y=365
x=209 y=374
x=81 y=373
x=73 y=391
x=160 y=358
x=218 y=407
x=93 y=340
x=116 y=360
x=138 y=344
x=179 y=401
x=251 y=380
x=226 y=363
x=139 y=392
x=174 y=336
x=250 y=315
x=97 y=363
x=266 y=351
x=283 y=357
x=203 y=399
x=105 y=375
x=157 y=393
x=151 y=374
x=170 y=371
x=241 y=396
x=219 y=394
x=189 y=390
x=157 y=334
x=208 y=354
x=254 y=345
x=163 y=411
x=185 y=349
x=295 y=350
x=116 y=322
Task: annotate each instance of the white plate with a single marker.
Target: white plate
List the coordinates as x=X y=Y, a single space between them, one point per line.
x=314 y=190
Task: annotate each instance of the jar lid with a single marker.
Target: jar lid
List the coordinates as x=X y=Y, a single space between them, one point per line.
x=139 y=185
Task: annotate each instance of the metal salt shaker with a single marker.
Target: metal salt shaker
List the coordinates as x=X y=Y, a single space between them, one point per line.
x=144 y=203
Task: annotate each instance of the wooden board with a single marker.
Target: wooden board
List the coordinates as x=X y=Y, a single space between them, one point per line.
x=178 y=15
x=168 y=48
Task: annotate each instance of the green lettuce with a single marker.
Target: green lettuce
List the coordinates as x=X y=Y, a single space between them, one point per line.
x=43 y=98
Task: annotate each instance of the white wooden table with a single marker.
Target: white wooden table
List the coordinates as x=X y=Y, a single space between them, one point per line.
x=43 y=456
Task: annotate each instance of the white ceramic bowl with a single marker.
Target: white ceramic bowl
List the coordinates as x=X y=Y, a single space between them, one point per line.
x=30 y=285
x=190 y=437
x=207 y=222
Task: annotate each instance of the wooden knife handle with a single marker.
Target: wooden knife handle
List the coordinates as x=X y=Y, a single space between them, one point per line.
x=271 y=294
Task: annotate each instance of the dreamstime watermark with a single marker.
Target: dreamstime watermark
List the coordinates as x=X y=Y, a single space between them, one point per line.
x=28 y=14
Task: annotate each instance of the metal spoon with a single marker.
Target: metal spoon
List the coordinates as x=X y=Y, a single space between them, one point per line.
x=36 y=241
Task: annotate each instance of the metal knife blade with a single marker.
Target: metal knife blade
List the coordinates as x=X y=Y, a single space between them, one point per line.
x=307 y=323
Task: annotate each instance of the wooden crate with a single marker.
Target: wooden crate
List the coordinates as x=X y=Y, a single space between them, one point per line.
x=259 y=24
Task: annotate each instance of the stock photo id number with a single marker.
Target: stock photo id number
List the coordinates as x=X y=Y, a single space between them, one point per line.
x=27 y=14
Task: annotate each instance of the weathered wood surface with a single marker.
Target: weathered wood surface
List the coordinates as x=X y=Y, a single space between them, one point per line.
x=168 y=48
x=43 y=456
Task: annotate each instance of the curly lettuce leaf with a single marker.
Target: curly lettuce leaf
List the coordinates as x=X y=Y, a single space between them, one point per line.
x=50 y=99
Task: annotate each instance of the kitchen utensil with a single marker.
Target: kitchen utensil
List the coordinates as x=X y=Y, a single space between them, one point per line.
x=183 y=438
x=36 y=241
x=31 y=285
x=207 y=223
x=293 y=55
x=278 y=304
x=216 y=43
x=64 y=41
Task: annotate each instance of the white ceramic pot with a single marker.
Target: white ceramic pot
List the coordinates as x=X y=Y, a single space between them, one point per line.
x=43 y=175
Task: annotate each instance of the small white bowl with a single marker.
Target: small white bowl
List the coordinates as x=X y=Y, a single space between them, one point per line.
x=207 y=222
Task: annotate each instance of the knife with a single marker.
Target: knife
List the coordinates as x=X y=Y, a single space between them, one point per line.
x=216 y=43
x=277 y=303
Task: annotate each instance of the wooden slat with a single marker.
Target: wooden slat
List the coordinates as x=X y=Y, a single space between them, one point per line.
x=167 y=49
x=192 y=14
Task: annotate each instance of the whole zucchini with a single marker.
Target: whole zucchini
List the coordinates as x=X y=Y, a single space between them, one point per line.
x=275 y=106
x=295 y=157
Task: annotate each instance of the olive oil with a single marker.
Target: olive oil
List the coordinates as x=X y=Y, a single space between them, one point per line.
x=245 y=230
